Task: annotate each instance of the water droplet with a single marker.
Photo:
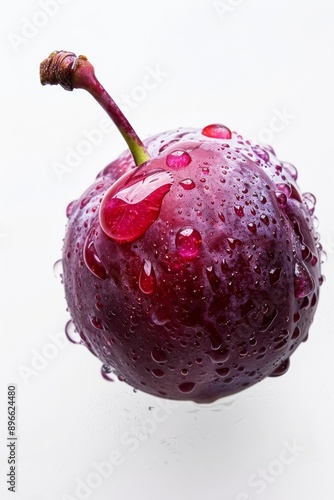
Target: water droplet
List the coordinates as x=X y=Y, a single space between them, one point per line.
x=306 y=252
x=274 y=275
x=178 y=159
x=296 y=333
x=291 y=169
x=91 y=258
x=304 y=283
x=147 y=278
x=213 y=278
x=70 y=207
x=205 y=170
x=239 y=210
x=281 y=198
x=186 y=387
x=158 y=355
x=310 y=200
x=233 y=242
x=96 y=322
x=323 y=256
x=265 y=219
x=84 y=201
x=215 y=341
x=188 y=242
x=72 y=333
x=221 y=216
x=285 y=188
x=219 y=356
x=58 y=269
x=107 y=373
x=133 y=203
x=187 y=184
x=281 y=369
x=217 y=131
x=222 y=372
x=251 y=227
x=158 y=373
x=261 y=153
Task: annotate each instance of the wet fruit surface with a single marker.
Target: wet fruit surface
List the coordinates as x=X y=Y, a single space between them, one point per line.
x=197 y=274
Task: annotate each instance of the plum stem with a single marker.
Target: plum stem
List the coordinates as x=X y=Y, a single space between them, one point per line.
x=76 y=72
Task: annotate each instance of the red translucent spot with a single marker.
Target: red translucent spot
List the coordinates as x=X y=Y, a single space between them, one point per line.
x=281 y=198
x=96 y=322
x=239 y=210
x=178 y=159
x=217 y=131
x=187 y=184
x=147 y=279
x=133 y=203
x=188 y=242
x=251 y=227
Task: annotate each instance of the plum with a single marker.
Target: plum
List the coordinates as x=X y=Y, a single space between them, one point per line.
x=191 y=265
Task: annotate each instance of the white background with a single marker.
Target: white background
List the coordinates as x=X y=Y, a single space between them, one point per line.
x=235 y=62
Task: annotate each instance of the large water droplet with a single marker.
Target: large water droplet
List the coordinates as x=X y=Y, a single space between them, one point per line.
x=223 y=372
x=147 y=279
x=187 y=184
x=261 y=153
x=70 y=207
x=91 y=258
x=107 y=373
x=72 y=333
x=274 y=275
x=291 y=169
x=217 y=131
x=158 y=373
x=58 y=270
x=158 y=355
x=178 y=159
x=281 y=369
x=133 y=203
x=310 y=200
x=285 y=188
x=281 y=198
x=188 y=242
x=186 y=387
x=219 y=356
x=304 y=283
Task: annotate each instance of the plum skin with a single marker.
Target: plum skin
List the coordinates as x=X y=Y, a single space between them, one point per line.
x=216 y=322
